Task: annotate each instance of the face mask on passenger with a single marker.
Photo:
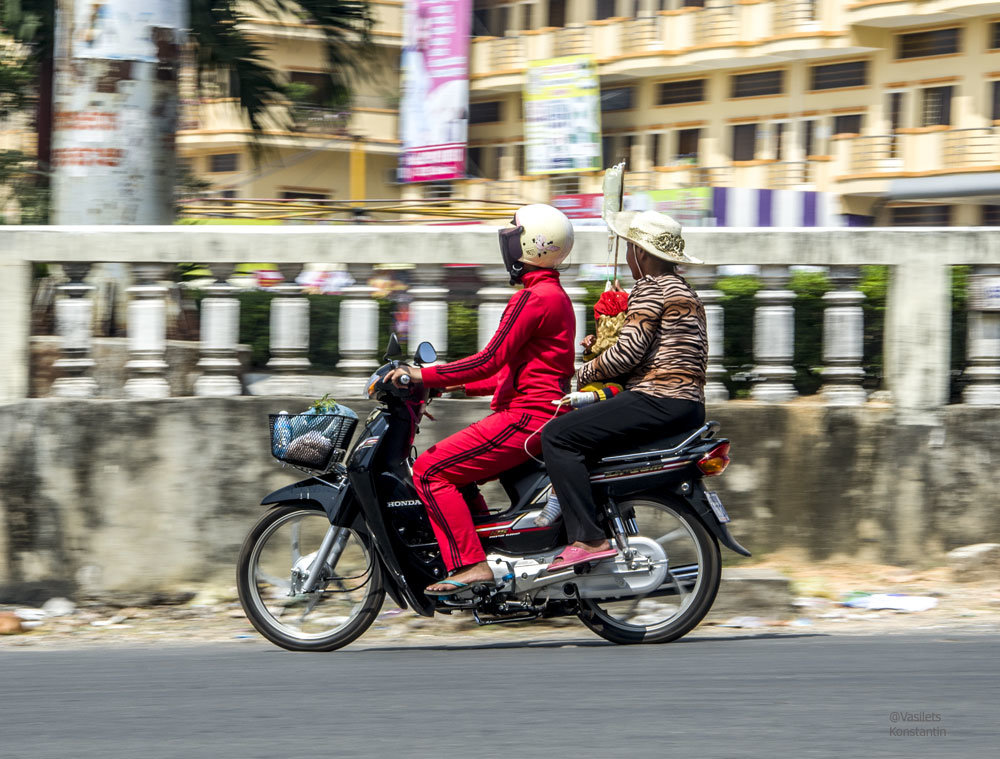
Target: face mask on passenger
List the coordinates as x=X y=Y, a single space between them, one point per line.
x=510 y=249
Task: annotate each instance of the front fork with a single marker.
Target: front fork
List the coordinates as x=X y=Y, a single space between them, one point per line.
x=328 y=554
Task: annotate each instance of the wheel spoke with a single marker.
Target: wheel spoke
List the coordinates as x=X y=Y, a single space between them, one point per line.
x=680 y=532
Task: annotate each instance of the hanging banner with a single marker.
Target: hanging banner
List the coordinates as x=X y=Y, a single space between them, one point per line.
x=562 y=116
x=434 y=110
x=124 y=29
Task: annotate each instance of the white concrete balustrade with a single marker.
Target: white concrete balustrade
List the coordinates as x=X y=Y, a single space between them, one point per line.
x=917 y=323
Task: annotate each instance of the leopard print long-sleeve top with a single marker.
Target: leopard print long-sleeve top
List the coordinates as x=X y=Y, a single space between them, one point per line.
x=663 y=348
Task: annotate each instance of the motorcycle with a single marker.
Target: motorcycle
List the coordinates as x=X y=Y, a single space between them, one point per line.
x=315 y=569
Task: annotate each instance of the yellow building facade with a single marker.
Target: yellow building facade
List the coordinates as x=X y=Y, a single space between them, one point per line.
x=891 y=108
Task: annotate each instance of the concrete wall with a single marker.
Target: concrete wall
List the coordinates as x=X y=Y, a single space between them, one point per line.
x=119 y=497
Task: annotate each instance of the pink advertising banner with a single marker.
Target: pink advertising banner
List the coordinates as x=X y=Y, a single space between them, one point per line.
x=434 y=111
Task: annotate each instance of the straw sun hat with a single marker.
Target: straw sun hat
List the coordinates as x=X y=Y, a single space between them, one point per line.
x=654 y=232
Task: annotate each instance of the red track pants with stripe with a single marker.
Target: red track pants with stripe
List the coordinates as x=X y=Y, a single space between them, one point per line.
x=479 y=452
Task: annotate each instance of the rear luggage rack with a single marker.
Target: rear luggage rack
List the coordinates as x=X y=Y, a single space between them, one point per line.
x=705 y=432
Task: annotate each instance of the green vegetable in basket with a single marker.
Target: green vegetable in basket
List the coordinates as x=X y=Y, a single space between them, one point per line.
x=324 y=405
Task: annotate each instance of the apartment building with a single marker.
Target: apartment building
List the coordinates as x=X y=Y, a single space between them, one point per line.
x=887 y=109
x=312 y=147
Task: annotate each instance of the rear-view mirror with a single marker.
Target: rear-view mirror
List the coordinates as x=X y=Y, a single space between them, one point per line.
x=393 y=351
x=425 y=354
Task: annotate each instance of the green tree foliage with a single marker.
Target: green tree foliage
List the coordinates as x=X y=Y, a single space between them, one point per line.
x=463 y=330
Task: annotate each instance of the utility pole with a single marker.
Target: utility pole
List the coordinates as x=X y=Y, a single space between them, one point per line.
x=115 y=103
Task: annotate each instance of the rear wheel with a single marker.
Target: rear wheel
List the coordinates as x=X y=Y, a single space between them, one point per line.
x=694 y=569
x=277 y=554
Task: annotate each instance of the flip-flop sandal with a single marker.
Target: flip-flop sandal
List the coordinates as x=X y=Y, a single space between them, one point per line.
x=458 y=587
x=572 y=557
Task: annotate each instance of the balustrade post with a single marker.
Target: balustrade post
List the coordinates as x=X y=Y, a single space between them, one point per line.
x=74 y=324
x=704 y=278
x=843 y=340
x=774 y=337
x=147 y=333
x=492 y=301
x=220 y=334
x=289 y=336
x=429 y=309
x=577 y=294
x=358 y=320
x=983 y=350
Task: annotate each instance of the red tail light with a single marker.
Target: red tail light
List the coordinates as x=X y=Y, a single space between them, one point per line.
x=715 y=461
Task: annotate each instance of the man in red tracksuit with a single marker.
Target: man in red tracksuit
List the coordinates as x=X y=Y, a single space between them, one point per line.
x=526 y=365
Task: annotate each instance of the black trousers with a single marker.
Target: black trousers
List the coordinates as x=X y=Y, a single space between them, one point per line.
x=580 y=437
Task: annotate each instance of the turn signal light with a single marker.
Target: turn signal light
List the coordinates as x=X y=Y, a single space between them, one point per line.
x=715 y=461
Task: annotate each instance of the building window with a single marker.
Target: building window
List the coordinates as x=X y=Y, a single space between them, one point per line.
x=778 y=130
x=604 y=9
x=687 y=145
x=994 y=35
x=921 y=216
x=744 y=142
x=854 y=74
x=485 y=113
x=557 y=13
x=754 y=85
x=223 y=162
x=481 y=22
x=688 y=91
x=474 y=162
x=524 y=16
x=936 y=108
x=849 y=124
x=991 y=216
x=923 y=44
x=437 y=190
x=303 y=195
x=617 y=99
x=564 y=185
x=310 y=88
x=996 y=100
x=808 y=138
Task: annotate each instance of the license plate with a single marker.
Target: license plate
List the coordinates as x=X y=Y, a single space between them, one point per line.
x=716 y=503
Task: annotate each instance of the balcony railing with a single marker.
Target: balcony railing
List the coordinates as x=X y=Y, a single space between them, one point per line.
x=972 y=147
x=791 y=16
x=786 y=174
x=506 y=53
x=317 y=120
x=871 y=154
x=716 y=24
x=641 y=33
x=572 y=40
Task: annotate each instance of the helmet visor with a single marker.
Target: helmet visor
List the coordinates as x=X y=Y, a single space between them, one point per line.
x=510 y=249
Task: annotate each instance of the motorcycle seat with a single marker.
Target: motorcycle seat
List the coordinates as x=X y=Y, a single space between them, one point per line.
x=658 y=444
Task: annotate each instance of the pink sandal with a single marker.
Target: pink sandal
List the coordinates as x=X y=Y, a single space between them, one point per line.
x=572 y=556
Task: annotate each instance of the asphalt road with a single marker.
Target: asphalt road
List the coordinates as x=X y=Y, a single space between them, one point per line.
x=756 y=696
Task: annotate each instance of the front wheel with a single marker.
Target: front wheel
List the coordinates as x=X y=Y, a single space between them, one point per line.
x=694 y=569
x=276 y=556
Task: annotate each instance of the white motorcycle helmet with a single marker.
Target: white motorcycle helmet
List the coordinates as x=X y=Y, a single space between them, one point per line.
x=540 y=235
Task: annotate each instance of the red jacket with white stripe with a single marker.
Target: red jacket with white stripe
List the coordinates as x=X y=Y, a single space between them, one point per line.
x=529 y=361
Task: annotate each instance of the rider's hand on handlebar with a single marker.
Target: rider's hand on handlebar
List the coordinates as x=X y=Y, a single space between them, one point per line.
x=397 y=374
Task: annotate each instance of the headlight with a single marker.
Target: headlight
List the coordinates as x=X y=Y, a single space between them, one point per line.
x=372 y=382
